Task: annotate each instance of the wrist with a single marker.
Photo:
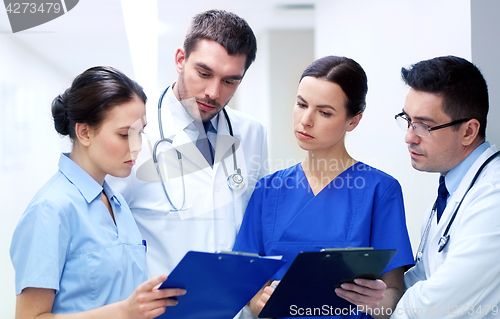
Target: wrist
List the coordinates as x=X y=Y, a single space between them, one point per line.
x=122 y=310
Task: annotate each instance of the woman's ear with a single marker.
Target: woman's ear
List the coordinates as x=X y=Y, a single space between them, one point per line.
x=83 y=133
x=354 y=121
x=180 y=57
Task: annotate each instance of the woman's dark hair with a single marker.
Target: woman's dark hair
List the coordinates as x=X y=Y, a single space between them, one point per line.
x=91 y=95
x=348 y=74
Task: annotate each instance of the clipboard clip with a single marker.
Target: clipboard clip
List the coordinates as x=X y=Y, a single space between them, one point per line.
x=347 y=248
x=239 y=253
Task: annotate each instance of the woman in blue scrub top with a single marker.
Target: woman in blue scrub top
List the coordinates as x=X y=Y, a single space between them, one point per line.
x=330 y=200
x=77 y=248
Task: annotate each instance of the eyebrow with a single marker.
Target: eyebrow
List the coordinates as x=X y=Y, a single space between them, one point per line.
x=206 y=67
x=322 y=106
x=420 y=118
x=131 y=127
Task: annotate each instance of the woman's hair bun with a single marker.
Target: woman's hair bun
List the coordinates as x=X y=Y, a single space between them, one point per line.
x=60 y=114
x=91 y=95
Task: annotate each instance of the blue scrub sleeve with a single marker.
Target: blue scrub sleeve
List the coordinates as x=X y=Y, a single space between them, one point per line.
x=250 y=238
x=389 y=226
x=39 y=244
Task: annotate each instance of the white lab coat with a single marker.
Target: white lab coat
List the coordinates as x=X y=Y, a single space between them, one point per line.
x=466 y=274
x=215 y=212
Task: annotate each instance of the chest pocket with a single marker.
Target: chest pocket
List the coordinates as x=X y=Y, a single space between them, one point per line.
x=115 y=271
x=103 y=275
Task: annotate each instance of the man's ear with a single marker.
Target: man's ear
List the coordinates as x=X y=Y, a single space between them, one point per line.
x=354 y=121
x=180 y=57
x=83 y=133
x=470 y=131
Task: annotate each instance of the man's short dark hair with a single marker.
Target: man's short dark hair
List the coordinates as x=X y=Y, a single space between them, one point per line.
x=458 y=81
x=225 y=28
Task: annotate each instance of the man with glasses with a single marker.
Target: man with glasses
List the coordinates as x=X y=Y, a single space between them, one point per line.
x=457 y=273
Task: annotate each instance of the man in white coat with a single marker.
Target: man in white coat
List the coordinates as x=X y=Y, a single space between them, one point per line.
x=204 y=213
x=457 y=272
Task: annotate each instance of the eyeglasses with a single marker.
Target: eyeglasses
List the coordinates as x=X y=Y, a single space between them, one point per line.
x=420 y=129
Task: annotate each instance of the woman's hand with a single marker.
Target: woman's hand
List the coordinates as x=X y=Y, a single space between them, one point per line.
x=147 y=301
x=266 y=294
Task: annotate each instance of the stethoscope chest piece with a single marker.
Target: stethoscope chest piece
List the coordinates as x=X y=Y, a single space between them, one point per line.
x=442 y=242
x=235 y=181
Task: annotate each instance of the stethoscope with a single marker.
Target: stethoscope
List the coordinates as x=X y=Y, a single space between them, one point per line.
x=235 y=181
x=443 y=241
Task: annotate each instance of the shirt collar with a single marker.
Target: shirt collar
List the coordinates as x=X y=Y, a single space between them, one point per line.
x=182 y=118
x=457 y=173
x=110 y=194
x=87 y=186
x=215 y=123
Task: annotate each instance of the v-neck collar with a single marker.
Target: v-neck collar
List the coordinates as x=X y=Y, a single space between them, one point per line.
x=301 y=169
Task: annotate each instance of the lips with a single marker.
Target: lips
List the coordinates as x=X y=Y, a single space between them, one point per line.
x=205 y=107
x=414 y=154
x=303 y=135
x=130 y=162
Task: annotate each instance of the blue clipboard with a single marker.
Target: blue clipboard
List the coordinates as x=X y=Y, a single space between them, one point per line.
x=218 y=285
x=311 y=280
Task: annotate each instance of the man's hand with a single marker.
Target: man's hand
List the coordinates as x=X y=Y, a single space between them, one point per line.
x=363 y=292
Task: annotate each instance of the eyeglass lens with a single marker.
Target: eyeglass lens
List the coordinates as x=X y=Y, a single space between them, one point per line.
x=418 y=128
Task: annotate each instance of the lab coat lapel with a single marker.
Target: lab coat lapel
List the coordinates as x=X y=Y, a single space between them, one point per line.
x=193 y=160
x=457 y=196
x=197 y=172
x=224 y=143
x=190 y=152
x=438 y=230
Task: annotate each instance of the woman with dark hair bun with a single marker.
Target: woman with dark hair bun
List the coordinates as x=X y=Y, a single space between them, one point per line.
x=77 y=248
x=330 y=200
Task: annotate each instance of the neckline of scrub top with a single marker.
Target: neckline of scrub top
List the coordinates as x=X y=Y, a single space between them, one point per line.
x=352 y=167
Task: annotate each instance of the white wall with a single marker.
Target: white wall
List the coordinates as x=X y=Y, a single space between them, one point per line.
x=270 y=86
x=29 y=145
x=290 y=53
x=485 y=53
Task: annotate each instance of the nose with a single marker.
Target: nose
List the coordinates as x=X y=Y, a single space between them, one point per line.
x=212 y=89
x=411 y=137
x=307 y=118
x=135 y=143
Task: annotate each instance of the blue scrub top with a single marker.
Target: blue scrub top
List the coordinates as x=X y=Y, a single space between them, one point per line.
x=66 y=240
x=361 y=207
